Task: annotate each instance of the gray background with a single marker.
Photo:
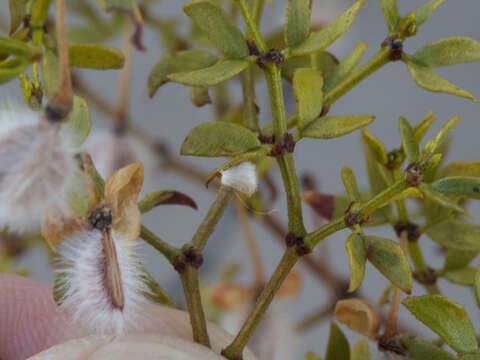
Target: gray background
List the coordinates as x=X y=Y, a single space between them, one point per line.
x=388 y=94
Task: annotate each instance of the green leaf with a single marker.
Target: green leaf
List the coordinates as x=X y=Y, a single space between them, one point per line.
x=218 y=27
x=462 y=276
x=328 y=127
x=213 y=75
x=91 y=56
x=320 y=40
x=357 y=255
x=182 y=61
x=460 y=168
x=446 y=318
x=360 y=351
x=346 y=66
x=11 y=68
x=307 y=87
x=421 y=128
x=425 y=11
x=50 y=72
x=166 y=197
x=456 y=259
x=79 y=121
x=442 y=137
x=441 y=199
x=427 y=79
x=10 y=46
x=376 y=146
x=387 y=256
x=350 y=183
x=390 y=13
x=312 y=356
x=217 y=138
x=457 y=185
x=155 y=292
x=476 y=285
x=297 y=26
x=409 y=141
x=338 y=347
x=17 y=13
x=424 y=350
x=325 y=63
x=456 y=234
x=199 y=96
x=449 y=51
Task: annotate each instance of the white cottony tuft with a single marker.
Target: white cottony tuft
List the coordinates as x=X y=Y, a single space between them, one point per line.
x=242 y=177
x=37 y=169
x=82 y=282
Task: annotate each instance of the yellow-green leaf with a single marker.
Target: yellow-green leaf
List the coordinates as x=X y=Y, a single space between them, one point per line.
x=476 y=285
x=325 y=63
x=346 y=66
x=297 y=25
x=91 y=56
x=10 y=46
x=218 y=27
x=442 y=137
x=183 y=61
x=425 y=11
x=338 y=347
x=462 y=276
x=456 y=234
x=457 y=185
x=320 y=40
x=312 y=356
x=329 y=127
x=350 y=184
x=449 y=51
x=217 y=138
x=456 y=259
x=423 y=350
x=460 y=168
x=387 y=256
x=421 y=127
x=446 y=318
x=50 y=72
x=307 y=88
x=375 y=145
x=79 y=121
x=390 y=13
x=213 y=75
x=166 y=197
x=357 y=255
x=360 y=351
x=429 y=80
x=17 y=13
x=441 y=199
x=199 y=96
x=11 y=68
x=409 y=141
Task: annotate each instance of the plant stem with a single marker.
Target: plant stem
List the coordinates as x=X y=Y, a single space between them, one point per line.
x=375 y=63
x=256 y=7
x=273 y=77
x=252 y=26
x=194 y=304
x=250 y=115
x=420 y=265
x=170 y=252
x=235 y=349
x=121 y=119
x=206 y=228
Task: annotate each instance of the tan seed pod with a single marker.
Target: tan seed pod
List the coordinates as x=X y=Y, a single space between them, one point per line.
x=359 y=316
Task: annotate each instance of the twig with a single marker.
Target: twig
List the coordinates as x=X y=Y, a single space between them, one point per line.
x=121 y=118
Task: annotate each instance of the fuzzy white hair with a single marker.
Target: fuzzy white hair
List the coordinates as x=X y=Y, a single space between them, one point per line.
x=242 y=177
x=82 y=283
x=37 y=169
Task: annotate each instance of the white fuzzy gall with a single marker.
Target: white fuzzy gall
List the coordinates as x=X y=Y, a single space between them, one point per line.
x=83 y=273
x=242 y=177
x=37 y=169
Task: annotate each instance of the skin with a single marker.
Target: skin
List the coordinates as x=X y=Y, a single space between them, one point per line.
x=31 y=323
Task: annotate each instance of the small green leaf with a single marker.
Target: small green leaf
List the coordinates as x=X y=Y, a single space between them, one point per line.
x=376 y=146
x=449 y=51
x=446 y=318
x=456 y=234
x=50 y=72
x=338 y=347
x=166 y=197
x=329 y=127
x=441 y=199
x=457 y=185
x=217 y=138
x=357 y=254
x=409 y=193
x=350 y=183
x=213 y=75
x=199 y=96
x=10 y=46
x=91 y=56
x=425 y=11
x=421 y=128
x=325 y=63
x=307 y=87
x=312 y=356
x=424 y=350
x=218 y=27
x=11 y=68
x=427 y=79
x=409 y=141
x=476 y=285
x=79 y=121
x=460 y=168
x=442 y=137
x=320 y=40
x=456 y=259
x=182 y=61
x=385 y=297
x=17 y=13
x=360 y=351
x=155 y=292
x=346 y=66
x=387 y=256
x=297 y=26
x=462 y=276
x=390 y=13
